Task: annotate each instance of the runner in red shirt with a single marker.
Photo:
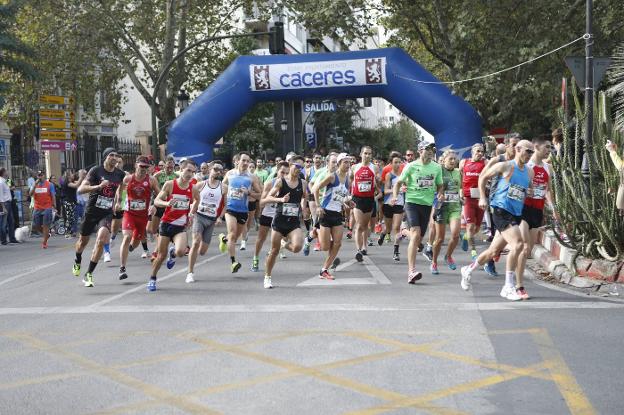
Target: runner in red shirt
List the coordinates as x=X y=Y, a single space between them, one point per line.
x=470 y=170
x=364 y=177
x=139 y=187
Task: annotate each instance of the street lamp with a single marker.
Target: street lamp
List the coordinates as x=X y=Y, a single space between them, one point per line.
x=284 y=128
x=183 y=100
x=284 y=125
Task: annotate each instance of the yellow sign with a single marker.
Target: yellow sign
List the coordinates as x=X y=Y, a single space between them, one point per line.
x=57 y=114
x=56 y=99
x=57 y=135
x=59 y=124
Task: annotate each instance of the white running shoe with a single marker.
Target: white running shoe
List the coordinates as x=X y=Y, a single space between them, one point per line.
x=107 y=257
x=509 y=292
x=189 y=278
x=243 y=245
x=466 y=276
x=145 y=254
x=267 y=282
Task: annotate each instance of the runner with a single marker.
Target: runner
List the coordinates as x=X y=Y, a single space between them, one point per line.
x=102 y=183
x=314 y=167
x=507 y=203
x=393 y=213
x=470 y=169
x=423 y=178
x=449 y=213
x=176 y=198
x=44 y=195
x=206 y=212
x=239 y=184
x=117 y=217
x=330 y=167
x=139 y=187
x=290 y=194
x=164 y=175
x=268 y=212
x=364 y=178
x=331 y=204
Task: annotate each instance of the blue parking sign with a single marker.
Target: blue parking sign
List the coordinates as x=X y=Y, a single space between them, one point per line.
x=311 y=139
x=2 y=148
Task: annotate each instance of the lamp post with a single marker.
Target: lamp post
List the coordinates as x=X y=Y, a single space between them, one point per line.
x=183 y=100
x=284 y=128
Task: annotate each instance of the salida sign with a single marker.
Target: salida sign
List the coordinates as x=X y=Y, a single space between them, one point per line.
x=325 y=106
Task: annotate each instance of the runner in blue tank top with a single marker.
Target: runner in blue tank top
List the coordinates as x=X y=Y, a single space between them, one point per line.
x=238 y=185
x=507 y=205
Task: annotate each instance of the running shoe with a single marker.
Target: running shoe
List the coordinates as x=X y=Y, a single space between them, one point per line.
x=420 y=247
x=44 y=245
x=466 y=277
x=464 y=243
x=243 y=245
x=387 y=238
x=428 y=253
x=509 y=292
x=189 y=278
x=88 y=280
x=489 y=239
x=235 y=267
x=364 y=252
x=413 y=276
x=396 y=257
x=267 y=282
x=172 y=259
x=381 y=239
x=350 y=234
x=521 y=291
x=473 y=254
x=122 y=273
x=188 y=250
x=107 y=257
x=335 y=264
x=282 y=255
x=317 y=246
x=378 y=228
x=255 y=264
x=490 y=269
x=325 y=275
x=450 y=262
x=306 y=247
x=434 y=268
x=359 y=257
x=370 y=242
x=151 y=285
x=145 y=254
x=76 y=270
x=222 y=243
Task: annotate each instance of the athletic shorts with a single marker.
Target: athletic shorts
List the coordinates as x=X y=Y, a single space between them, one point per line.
x=94 y=221
x=472 y=212
x=160 y=212
x=284 y=226
x=266 y=221
x=204 y=225
x=42 y=217
x=136 y=224
x=331 y=218
x=241 y=217
x=533 y=216
x=365 y=204
x=251 y=206
x=169 y=231
x=447 y=214
x=418 y=216
x=389 y=211
x=503 y=219
x=118 y=215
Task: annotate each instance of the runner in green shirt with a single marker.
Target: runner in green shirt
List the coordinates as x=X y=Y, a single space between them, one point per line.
x=423 y=178
x=261 y=172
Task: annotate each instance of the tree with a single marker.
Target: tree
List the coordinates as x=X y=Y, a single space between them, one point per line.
x=616 y=80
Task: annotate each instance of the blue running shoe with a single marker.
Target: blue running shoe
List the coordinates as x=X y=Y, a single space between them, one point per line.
x=171 y=260
x=464 y=243
x=151 y=285
x=306 y=247
x=450 y=262
x=490 y=269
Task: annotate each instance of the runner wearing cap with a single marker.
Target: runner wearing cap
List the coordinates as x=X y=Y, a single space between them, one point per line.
x=117 y=216
x=44 y=196
x=102 y=183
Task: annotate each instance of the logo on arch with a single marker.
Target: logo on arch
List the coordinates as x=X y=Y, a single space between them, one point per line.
x=261 y=77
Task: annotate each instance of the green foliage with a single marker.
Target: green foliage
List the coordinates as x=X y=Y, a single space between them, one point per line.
x=590 y=222
x=616 y=80
x=397 y=137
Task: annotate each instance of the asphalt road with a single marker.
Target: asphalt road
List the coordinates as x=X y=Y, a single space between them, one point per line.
x=367 y=343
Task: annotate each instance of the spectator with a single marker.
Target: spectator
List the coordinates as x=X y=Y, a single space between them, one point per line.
x=7 y=226
x=60 y=196
x=70 y=184
x=81 y=199
x=619 y=164
x=557 y=140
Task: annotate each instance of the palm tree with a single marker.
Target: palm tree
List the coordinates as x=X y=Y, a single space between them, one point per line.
x=13 y=52
x=616 y=80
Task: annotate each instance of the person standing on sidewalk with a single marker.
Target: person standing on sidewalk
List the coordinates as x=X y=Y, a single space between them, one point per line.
x=7 y=226
x=423 y=178
x=44 y=195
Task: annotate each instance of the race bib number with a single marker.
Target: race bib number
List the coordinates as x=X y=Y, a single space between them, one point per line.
x=181 y=204
x=424 y=183
x=516 y=192
x=41 y=190
x=451 y=197
x=539 y=192
x=339 y=197
x=236 y=194
x=365 y=186
x=474 y=193
x=137 y=205
x=290 y=209
x=209 y=209
x=104 y=202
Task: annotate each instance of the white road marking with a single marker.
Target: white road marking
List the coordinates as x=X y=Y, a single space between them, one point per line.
x=143 y=286
x=29 y=271
x=313 y=308
x=378 y=277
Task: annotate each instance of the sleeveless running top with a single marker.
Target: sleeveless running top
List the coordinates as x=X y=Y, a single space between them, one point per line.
x=269 y=209
x=541 y=176
x=164 y=177
x=336 y=194
x=511 y=190
x=236 y=198
x=470 y=178
x=364 y=180
x=178 y=213
x=43 y=195
x=138 y=195
x=401 y=199
x=210 y=201
x=291 y=209
x=452 y=182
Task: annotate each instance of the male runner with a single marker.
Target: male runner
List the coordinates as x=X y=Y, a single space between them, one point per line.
x=164 y=175
x=507 y=205
x=393 y=214
x=364 y=177
x=139 y=188
x=206 y=212
x=117 y=216
x=423 y=178
x=470 y=169
x=175 y=198
x=43 y=193
x=102 y=183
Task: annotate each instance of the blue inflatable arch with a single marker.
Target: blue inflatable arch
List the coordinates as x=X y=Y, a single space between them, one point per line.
x=388 y=73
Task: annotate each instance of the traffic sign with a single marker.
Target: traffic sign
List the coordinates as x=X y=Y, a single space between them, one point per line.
x=311 y=139
x=576 y=64
x=57 y=135
x=56 y=99
x=59 y=124
x=57 y=114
